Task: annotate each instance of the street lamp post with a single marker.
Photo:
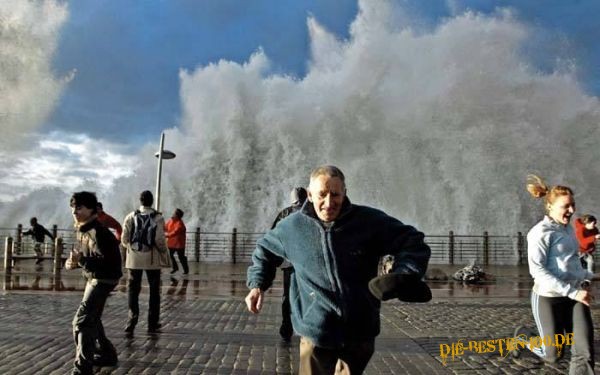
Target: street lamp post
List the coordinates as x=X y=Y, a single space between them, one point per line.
x=161 y=154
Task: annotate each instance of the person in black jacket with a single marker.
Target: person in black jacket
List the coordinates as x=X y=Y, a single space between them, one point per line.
x=97 y=252
x=38 y=232
x=286 y=330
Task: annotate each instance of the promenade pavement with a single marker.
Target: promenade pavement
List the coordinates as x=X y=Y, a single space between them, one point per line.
x=207 y=329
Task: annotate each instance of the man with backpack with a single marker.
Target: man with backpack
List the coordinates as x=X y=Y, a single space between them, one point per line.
x=144 y=240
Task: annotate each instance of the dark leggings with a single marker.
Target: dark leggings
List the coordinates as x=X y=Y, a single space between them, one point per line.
x=182 y=258
x=562 y=315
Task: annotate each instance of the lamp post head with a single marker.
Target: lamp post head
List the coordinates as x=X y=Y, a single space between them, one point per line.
x=166 y=154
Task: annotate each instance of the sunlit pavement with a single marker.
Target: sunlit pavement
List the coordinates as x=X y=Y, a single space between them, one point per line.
x=207 y=330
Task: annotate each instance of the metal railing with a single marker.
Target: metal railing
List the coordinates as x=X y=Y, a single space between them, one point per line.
x=484 y=249
x=11 y=256
x=237 y=247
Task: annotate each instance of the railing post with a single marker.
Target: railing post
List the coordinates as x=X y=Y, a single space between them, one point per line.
x=451 y=247
x=58 y=250
x=486 y=248
x=233 y=244
x=197 y=244
x=8 y=249
x=55 y=235
x=19 y=239
x=520 y=247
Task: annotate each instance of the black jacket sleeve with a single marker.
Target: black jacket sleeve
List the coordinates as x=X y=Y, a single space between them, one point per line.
x=105 y=261
x=47 y=233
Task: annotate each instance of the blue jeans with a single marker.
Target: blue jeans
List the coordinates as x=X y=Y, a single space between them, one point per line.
x=88 y=329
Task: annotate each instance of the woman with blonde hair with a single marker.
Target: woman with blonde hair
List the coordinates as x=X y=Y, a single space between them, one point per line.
x=561 y=296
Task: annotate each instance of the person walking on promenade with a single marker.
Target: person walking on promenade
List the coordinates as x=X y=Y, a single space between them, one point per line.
x=334 y=247
x=175 y=232
x=561 y=295
x=97 y=252
x=286 y=330
x=143 y=238
x=38 y=233
x=109 y=221
x=587 y=234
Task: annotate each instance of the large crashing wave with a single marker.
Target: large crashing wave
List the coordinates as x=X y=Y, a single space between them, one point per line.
x=438 y=129
x=29 y=90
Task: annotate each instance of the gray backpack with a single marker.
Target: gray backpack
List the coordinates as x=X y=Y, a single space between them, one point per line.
x=144 y=231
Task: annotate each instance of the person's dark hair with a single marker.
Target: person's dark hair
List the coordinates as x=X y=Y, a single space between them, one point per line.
x=587 y=219
x=99 y=205
x=178 y=213
x=33 y=221
x=298 y=196
x=146 y=198
x=86 y=199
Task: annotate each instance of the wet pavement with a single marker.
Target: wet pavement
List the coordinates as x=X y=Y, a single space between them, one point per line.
x=207 y=330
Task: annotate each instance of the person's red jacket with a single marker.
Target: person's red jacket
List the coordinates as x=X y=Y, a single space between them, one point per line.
x=110 y=222
x=585 y=237
x=175 y=233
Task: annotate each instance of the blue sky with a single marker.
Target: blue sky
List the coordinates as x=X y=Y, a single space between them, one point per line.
x=128 y=54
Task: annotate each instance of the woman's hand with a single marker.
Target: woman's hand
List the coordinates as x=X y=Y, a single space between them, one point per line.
x=584 y=296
